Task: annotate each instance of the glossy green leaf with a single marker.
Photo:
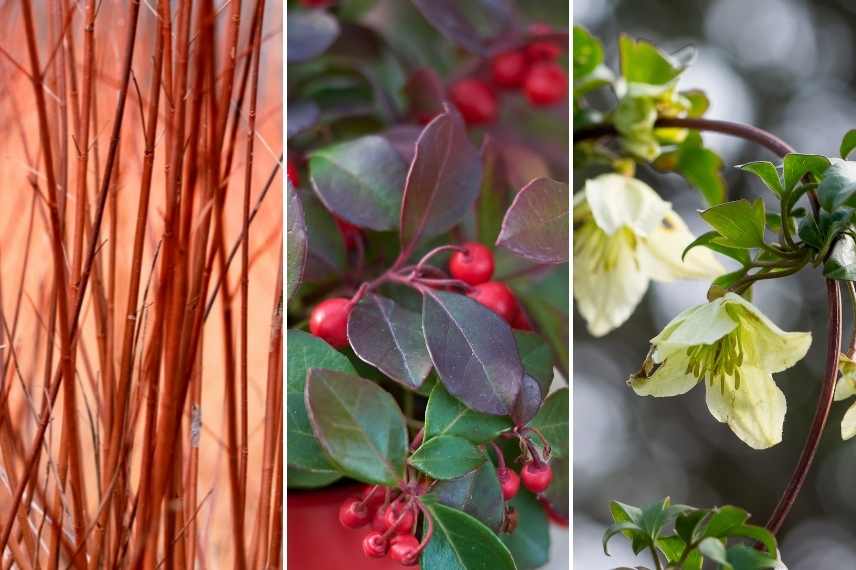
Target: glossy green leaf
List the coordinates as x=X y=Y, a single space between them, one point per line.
x=841 y=263
x=848 y=143
x=758 y=534
x=703 y=169
x=768 y=174
x=838 y=184
x=530 y=542
x=710 y=240
x=296 y=242
x=477 y=493
x=552 y=421
x=741 y=222
x=460 y=542
x=447 y=457
x=389 y=337
x=310 y=33
x=358 y=424
x=642 y=62
x=690 y=524
x=304 y=352
x=587 y=53
x=537 y=358
x=536 y=225
x=473 y=351
x=557 y=494
x=446 y=415
x=326 y=254
x=714 y=550
x=552 y=322
x=443 y=181
x=743 y=557
x=672 y=546
x=298 y=478
x=724 y=520
x=798 y=165
x=360 y=181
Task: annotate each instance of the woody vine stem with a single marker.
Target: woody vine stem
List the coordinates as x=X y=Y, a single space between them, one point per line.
x=833 y=301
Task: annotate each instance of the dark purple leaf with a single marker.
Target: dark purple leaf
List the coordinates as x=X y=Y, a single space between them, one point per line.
x=403 y=139
x=302 y=115
x=389 y=337
x=537 y=223
x=295 y=239
x=477 y=493
x=310 y=33
x=522 y=164
x=358 y=424
x=472 y=24
x=425 y=94
x=443 y=181
x=528 y=401
x=473 y=352
x=360 y=181
x=326 y=255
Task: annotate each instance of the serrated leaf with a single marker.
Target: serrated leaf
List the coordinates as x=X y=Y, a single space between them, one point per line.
x=358 y=424
x=361 y=181
x=389 y=337
x=304 y=352
x=723 y=520
x=447 y=457
x=848 y=143
x=473 y=352
x=310 y=33
x=552 y=421
x=530 y=542
x=687 y=524
x=296 y=242
x=476 y=493
x=536 y=225
x=798 y=165
x=446 y=415
x=767 y=172
x=460 y=542
x=838 y=185
x=443 y=181
x=741 y=222
x=711 y=241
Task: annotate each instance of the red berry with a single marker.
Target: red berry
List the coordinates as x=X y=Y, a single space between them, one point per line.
x=543 y=51
x=540 y=29
x=375 y=545
x=373 y=500
x=350 y=232
x=404 y=548
x=497 y=297
x=474 y=265
x=509 y=482
x=379 y=519
x=537 y=476
x=353 y=514
x=293 y=177
x=522 y=322
x=546 y=84
x=475 y=100
x=405 y=526
x=508 y=69
x=329 y=321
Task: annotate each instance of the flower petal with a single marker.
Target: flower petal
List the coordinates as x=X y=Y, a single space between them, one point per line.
x=606 y=297
x=771 y=349
x=755 y=412
x=704 y=324
x=848 y=423
x=669 y=379
x=617 y=201
x=660 y=253
x=846 y=385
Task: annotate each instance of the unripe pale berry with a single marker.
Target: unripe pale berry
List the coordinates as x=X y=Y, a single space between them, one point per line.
x=508 y=69
x=536 y=476
x=497 y=297
x=353 y=514
x=403 y=549
x=509 y=482
x=375 y=545
x=475 y=100
x=546 y=84
x=473 y=266
x=329 y=321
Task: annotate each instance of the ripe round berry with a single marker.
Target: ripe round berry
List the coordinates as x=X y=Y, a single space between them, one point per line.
x=536 y=476
x=350 y=232
x=522 y=322
x=329 y=321
x=475 y=100
x=509 y=482
x=497 y=297
x=293 y=177
x=376 y=499
x=542 y=50
x=407 y=521
x=375 y=545
x=379 y=519
x=508 y=69
x=353 y=514
x=546 y=84
x=474 y=265
x=404 y=549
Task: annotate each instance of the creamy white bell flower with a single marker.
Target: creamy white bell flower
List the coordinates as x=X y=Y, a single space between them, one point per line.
x=624 y=236
x=734 y=348
x=845 y=388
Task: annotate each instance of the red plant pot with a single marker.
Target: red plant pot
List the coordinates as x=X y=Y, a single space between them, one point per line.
x=316 y=540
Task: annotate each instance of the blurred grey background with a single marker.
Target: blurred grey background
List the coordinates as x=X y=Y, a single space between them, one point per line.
x=786 y=66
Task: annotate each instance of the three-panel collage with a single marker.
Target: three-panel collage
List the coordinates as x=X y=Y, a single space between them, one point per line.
x=442 y=284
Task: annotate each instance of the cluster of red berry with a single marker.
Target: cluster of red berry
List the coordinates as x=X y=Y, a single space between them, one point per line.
x=472 y=264
x=532 y=68
x=393 y=521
